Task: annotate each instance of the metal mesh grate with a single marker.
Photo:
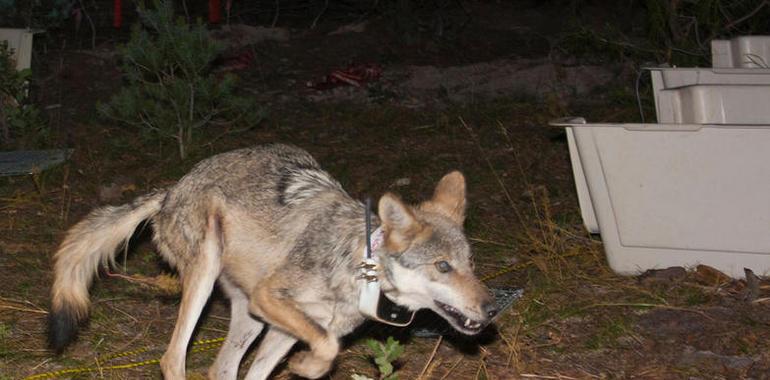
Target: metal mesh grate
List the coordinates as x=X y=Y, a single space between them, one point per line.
x=31 y=161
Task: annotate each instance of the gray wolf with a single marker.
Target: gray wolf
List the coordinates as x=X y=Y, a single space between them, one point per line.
x=283 y=240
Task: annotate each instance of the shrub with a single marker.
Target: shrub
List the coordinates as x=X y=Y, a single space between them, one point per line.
x=35 y=13
x=21 y=122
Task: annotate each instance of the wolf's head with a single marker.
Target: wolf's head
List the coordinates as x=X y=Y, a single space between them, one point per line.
x=426 y=259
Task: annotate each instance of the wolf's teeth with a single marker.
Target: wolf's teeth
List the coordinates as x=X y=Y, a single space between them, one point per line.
x=467 y=322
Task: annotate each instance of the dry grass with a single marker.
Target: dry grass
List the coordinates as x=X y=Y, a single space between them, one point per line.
x=575 y=306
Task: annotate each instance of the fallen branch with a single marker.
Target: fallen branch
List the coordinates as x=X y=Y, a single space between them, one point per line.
x=646 y=305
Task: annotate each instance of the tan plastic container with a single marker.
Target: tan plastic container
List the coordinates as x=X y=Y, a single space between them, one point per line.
x=666 y=195
x=20 y=40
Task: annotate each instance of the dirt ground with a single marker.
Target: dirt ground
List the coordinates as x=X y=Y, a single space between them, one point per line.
x=478 y=102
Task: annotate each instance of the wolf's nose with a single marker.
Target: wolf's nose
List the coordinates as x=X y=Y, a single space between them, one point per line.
x=490 y=309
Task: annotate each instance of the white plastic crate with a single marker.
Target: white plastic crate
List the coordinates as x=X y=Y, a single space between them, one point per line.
x=711 y=96
x=741 y=52
x=20 y=40
x=666 y=195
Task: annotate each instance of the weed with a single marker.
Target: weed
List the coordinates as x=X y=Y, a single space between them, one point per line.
x=172 y=92
x=384 y=356
x=5 y=331
x=5 y=349
x=696 y=298
x=610 y=329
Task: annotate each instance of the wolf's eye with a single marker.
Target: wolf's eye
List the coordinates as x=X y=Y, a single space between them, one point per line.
x=443 y=267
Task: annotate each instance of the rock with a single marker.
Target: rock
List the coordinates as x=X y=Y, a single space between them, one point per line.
x=356 y=27
x=709 y=276
x=114 y=191
x=713 y=361
x=752 y=285
x=658 y=276
x=238 y=35
x=401 y=182
x=419 y=86
x=533 y=77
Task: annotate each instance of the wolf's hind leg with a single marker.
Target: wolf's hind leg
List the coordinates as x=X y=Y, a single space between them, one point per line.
x=273 y=347
x=242 y=331
x=197 y=285
x=282 y=312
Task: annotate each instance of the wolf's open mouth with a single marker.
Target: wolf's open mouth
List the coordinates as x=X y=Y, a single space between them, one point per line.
x=460 y=318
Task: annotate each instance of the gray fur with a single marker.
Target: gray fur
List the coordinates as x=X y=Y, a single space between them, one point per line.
x=285 y=223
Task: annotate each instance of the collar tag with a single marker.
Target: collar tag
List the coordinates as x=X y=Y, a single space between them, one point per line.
x=370 y=264
x=372 y=303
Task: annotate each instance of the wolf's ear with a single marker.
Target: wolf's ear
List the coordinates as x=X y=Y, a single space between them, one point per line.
x=448 y=198
x=398 y=223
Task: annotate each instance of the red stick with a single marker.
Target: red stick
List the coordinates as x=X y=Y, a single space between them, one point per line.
x=215 y=16
x=117 y=19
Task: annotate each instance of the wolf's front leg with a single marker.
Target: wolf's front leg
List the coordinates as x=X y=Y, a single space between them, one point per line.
x=269 y=300
x=315 y=363
x=273 y=347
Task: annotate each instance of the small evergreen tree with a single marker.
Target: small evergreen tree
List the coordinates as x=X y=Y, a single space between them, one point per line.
x=172 y=92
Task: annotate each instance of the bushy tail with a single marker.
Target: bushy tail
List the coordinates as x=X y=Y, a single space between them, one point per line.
x=91 y=242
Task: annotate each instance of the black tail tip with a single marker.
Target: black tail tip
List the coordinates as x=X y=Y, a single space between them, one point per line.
x=62 y=329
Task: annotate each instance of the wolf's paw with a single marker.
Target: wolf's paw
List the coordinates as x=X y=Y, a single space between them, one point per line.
x=308 y=365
